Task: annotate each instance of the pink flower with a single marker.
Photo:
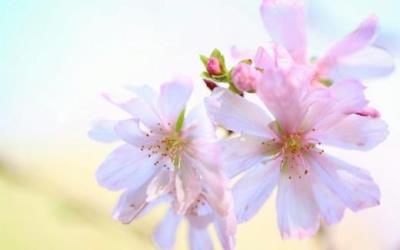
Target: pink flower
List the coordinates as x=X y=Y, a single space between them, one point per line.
x=245 y=77
x=214 y=66
x=350 y=58
x=199 y=216
x=165 y=155
x=287 y=152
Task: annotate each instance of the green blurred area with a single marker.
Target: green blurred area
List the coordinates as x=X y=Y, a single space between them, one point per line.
x=36 y=216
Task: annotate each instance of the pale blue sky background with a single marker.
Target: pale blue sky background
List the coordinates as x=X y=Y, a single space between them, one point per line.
x=56 y=57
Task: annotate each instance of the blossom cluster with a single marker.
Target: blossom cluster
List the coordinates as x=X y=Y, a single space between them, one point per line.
x=172 y=155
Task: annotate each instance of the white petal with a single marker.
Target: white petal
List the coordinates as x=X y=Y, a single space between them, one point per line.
x=173 y=98
x=352 y=185
x=103 y=131
x=253 y=189
x=355 y=132
x=126 y=167
x=200 y=239
x=235 y=113
x=165 y=233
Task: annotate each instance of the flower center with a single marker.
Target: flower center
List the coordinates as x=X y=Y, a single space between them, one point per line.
x=292 y=144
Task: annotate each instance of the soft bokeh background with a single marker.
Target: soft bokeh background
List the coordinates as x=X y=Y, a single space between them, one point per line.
x=56 y=57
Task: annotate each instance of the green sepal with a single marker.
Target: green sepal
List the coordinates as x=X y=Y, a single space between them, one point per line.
x=204 y=60
x=179 y=121
x=326 y=82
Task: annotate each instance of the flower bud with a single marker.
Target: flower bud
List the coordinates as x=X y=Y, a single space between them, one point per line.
x=214 y=66
x=245 y=77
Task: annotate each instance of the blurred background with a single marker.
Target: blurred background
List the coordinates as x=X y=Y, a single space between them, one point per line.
x=57 y=57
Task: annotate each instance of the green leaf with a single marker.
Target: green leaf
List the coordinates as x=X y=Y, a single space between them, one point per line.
x=179 y=122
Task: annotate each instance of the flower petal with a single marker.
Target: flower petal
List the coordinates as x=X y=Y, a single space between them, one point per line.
x=352 y=43
x=173 y=98
x=159 y=185
x=130 y=131
x=368 y=63
x=227 y=239
x=355 y=132
x=200 y=239
x=187 y=185
x=131 y=204
x=298 y=215
x=330 y=206
x=138 y=108
x=285 y=23
x=126 y=167
x=284 y=96
x=352 y=185
x=254 y=188
x=244 y=152
x=235 y=113
x=165 y=233
x=103 y=131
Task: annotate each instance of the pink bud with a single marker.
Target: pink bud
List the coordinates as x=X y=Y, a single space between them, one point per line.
x=214 y=67
x=245 y=77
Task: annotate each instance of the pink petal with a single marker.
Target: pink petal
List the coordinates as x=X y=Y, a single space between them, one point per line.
x=103 y=131
x=355 y=41
x=138 y=108
x=130 y=131
x=330 y=206
x=330 y=105
x=285 y=23
x=227 y=240
x=197 y=125
x=298 y=215
x=242 y=153
x=235 y=113
x=368 y=63
x=254 y=188
x=126 y=167
x=159 y=185
x=284 y=97
x=352 y=185
x=200 y=239
x=165 y=233
x=355 y=132
x=187 y=185
x=130 y=205
x=173 y=98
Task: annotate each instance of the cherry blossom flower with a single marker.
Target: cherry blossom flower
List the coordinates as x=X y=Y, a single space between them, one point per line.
x=350 y=58
x=287 y=151
x=199 y=216
x=164 y=155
